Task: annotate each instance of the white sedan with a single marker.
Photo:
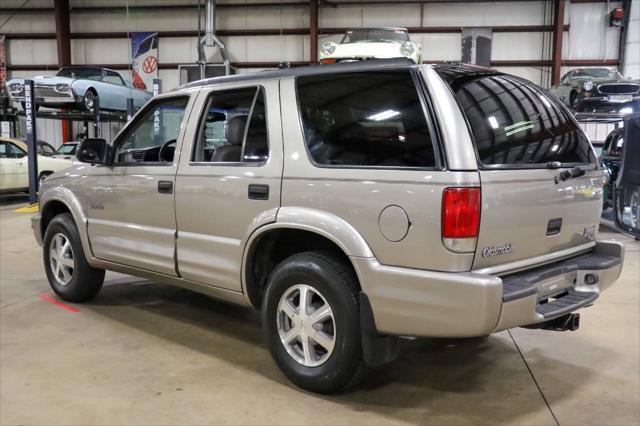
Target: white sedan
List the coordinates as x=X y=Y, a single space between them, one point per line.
x=14 y=176
x=371 y=43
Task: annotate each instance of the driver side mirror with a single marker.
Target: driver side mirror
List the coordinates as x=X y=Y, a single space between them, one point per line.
x=93 y=151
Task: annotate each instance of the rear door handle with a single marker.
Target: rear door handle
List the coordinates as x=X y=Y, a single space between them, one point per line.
x=258 y=192
x=165 y=187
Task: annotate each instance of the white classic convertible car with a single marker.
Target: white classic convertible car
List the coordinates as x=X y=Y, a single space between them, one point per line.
x=79 y=87
x=14 y=176
x=369 y=43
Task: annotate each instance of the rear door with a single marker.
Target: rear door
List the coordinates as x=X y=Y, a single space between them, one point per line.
x=228 y=181
x=525 y=140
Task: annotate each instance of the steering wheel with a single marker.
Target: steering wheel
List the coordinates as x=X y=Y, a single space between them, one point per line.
x=167 y=151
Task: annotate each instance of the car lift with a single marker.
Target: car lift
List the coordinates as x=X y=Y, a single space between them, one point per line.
x=96 y=116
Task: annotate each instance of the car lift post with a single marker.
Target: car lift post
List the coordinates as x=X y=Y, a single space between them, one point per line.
x=96 y=118
x=130 y=111
x=32 y=149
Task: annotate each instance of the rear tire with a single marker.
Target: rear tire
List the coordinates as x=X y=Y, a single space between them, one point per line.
x=332 y=358
x=69 y=274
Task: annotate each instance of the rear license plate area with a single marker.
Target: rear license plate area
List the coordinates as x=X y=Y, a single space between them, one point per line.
x=555 y=285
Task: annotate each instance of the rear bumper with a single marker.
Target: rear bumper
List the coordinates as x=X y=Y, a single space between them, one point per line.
x=415 y=302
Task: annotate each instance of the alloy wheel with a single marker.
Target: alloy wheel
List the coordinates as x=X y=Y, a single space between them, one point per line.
x=61 y=259
x=306 y=325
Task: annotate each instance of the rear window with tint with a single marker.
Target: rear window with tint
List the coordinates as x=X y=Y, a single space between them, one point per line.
x=515 y=123
x=370 y=119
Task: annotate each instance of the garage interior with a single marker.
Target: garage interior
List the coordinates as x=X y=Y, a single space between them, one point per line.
x=145 y=353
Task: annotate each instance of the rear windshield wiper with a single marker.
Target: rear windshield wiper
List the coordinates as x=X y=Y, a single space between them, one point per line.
x=572 y=173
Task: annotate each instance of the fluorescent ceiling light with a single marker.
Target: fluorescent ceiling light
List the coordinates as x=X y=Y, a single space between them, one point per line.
x=384 y=115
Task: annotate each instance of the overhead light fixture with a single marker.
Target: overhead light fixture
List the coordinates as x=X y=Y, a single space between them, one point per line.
x=384 y=115
x=493 y=122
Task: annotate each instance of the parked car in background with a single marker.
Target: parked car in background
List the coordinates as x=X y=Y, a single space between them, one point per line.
x=79 y=87
x=598 y=90
x=14 y=167
x=611 y=158
x=67 y=151
x=370 y=43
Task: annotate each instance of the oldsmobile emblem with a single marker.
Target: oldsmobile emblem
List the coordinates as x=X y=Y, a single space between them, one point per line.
x=490 y=251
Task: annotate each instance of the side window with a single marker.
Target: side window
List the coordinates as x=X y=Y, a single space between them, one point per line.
x=365 y=119
x=566 y=77
x=234 y=128
x=152 y=138
x=114 y=78
x=45 y=150
x=8 y=150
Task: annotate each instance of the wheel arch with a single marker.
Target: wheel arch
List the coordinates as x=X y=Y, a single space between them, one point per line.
x=60 y=200
x=296 y=230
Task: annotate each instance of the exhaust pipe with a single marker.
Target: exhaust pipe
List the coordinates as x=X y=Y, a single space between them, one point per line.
x=569 y=322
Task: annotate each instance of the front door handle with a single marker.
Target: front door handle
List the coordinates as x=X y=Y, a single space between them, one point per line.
x=258 y=192
x=165 y=187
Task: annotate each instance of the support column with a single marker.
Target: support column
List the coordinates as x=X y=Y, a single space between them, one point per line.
x=63 y=31
x=558 y=31
x=63 y=39
x=313 y=31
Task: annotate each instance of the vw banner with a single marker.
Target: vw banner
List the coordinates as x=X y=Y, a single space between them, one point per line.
x=144 y=60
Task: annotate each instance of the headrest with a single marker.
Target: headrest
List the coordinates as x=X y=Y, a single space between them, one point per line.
x=235 y=129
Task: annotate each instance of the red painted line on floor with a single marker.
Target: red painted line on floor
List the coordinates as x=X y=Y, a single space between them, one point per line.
x=58 y=303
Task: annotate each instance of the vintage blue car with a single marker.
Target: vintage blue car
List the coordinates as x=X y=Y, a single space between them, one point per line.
x=78 y=88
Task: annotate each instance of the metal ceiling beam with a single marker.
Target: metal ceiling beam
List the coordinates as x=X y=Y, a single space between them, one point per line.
x=63 y=32
x=276 y=31
x=174 y=66
x=558 y=24
x=313 y=31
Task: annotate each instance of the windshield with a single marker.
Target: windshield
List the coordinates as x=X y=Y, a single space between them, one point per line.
x=84 y=73
x=374 y=35
x=67 y=149
x=596 y=73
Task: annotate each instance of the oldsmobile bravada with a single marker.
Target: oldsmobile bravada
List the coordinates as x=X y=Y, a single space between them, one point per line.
x=350 y=203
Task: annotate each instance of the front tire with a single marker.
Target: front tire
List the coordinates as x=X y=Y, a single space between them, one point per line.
x=69 y=274
x=89 y=100
x=311 y=322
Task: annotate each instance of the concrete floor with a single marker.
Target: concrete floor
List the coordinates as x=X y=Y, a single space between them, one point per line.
x=144 y=353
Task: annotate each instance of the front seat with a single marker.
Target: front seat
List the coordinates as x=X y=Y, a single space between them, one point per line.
x=235 y=135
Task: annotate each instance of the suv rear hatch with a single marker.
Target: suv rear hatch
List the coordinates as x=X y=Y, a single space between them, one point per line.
x=541 y=187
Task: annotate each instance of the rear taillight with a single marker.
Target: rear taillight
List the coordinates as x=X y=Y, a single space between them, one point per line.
x=460 y=218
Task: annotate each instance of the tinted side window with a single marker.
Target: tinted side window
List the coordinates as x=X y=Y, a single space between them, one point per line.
x=516 y=123
x=234 y=128
x=365 y=119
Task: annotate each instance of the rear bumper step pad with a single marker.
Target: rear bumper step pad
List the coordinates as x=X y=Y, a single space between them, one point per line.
x=526 y=283
x=567 y=303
